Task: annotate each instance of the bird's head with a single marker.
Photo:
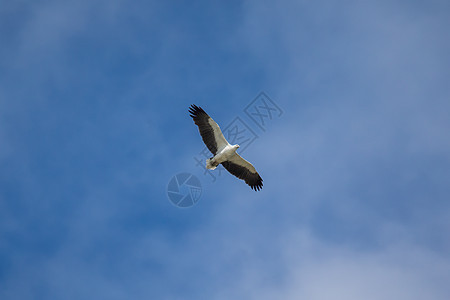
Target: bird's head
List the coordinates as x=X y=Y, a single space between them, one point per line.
x=236 y=146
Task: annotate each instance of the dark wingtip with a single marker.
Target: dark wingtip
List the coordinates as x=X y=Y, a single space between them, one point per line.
x=257 y=187
x=192 y=111
x=195 y=110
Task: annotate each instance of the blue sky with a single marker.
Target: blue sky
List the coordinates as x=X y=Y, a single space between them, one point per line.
x=94 y=124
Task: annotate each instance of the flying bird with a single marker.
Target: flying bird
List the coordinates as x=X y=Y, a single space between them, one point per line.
x=223 y=152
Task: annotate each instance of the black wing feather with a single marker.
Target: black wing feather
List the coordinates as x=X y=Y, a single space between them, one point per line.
x=252 y=179
x=206 y=131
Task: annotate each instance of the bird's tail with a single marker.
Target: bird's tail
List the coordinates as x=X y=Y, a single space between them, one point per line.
x=211 y=164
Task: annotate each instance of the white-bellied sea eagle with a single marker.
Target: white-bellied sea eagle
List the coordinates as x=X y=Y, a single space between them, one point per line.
x=223 y=152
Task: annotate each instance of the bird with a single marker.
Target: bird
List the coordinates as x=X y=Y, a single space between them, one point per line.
x=223 y=152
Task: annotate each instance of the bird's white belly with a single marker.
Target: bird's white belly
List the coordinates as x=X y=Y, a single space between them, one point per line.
x=212 y=163
x=223 y=155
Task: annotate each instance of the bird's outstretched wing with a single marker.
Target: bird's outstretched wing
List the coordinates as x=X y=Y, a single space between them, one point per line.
x=209 y=130
x=242 y=169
